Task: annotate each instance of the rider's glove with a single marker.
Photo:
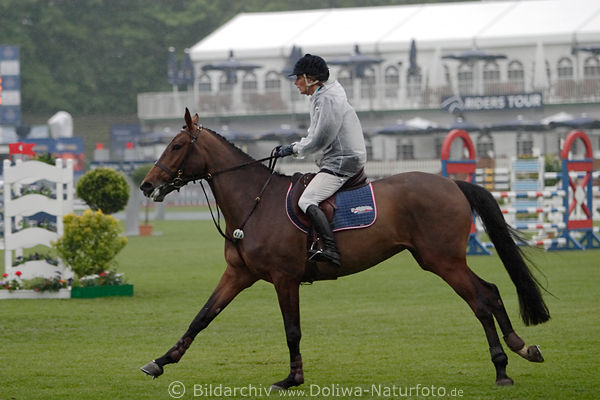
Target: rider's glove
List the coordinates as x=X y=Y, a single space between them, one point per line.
x=284 y=151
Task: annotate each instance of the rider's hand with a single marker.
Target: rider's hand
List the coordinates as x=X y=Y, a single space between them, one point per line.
x=284 y=151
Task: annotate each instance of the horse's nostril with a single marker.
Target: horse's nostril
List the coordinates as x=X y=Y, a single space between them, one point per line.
x=146 y=186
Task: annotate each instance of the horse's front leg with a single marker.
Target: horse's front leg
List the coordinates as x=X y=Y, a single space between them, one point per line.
x=232 y=282
x=288 y=296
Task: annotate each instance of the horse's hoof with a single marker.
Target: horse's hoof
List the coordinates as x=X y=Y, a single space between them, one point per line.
x=534 y=354
x=287 y=383
x=152 y=369
x=505 y=382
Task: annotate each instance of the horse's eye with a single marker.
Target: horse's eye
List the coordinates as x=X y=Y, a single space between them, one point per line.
x=177 y=146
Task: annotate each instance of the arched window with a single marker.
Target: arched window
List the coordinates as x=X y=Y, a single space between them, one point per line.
x=565 y=86
x=392 y=82
x=273 y=82
x=485 y=145
x=491 y=77
x=565 y=68
x=516 y=76
x=591 y=68
x=367 y=84
x=204 y=84
x=524 y=144
x=226 y=82
x=591 y=76
x=465 y=79
x=345 y=79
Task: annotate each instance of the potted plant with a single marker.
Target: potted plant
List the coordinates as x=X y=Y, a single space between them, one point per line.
x=91 y=241
x=138 y=176
x=89 y=245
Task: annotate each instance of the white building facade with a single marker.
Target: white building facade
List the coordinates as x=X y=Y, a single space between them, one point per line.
x=551 y=65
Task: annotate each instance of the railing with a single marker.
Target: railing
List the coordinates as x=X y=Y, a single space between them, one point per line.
x=169 y=105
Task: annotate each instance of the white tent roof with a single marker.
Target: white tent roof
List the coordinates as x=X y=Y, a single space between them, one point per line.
x=391 y=28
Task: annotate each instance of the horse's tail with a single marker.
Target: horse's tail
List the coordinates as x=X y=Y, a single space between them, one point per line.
x=533 y=308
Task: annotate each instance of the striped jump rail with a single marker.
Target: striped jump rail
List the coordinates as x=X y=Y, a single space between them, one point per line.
x=529 y=194
x=544 y=225
x=558 y=175
x=537 y=243
x=532 y=210
x=548 y=242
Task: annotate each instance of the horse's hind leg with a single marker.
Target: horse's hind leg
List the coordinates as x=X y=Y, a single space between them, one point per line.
x=468 y=286
x=513 y=341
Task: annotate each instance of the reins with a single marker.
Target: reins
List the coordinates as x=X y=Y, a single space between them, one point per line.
x=238 y=234
x=179 y=181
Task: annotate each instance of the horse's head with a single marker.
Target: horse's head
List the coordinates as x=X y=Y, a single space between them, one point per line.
x=176 y=166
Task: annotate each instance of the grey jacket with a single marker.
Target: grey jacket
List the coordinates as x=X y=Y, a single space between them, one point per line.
x=335 y=131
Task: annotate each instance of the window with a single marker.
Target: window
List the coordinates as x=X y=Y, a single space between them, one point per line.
x=405 y=149
x=345 y=79
x=226 y=82
x=273 y=82
x=392 y=82
x=591 y=68
x=516 y=76
x=249 y=83
x=465 y=79
x=524 y=144
x=367 y=84
x=485 y=145
x=491 y=77
x=204 y=84
x=565 y=68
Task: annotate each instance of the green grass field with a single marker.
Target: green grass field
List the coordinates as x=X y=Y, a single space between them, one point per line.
x=392 y=325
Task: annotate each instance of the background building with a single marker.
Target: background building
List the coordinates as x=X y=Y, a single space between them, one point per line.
x=503 y=66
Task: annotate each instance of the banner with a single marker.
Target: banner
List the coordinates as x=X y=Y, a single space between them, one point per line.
x=501 y=102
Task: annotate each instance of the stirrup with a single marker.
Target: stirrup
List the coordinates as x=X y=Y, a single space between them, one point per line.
x=320 y=255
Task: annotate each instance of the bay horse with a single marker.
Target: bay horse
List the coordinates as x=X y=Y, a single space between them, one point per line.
x=426 y=214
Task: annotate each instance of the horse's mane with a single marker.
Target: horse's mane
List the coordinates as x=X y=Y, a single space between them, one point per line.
x=241 y=152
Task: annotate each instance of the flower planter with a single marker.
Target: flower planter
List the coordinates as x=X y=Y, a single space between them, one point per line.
x=32 y=294
x=145 y=230
x=90 y=292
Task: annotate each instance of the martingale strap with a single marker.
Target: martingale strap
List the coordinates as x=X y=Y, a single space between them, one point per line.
x=217 y=221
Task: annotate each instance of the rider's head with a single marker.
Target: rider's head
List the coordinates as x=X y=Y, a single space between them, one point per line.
x=313 y=70
x=312 y=66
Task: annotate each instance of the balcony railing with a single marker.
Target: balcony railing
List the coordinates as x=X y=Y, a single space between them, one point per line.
x=170 y=105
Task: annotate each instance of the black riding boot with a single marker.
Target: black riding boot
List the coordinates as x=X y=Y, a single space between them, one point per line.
x=330 y=252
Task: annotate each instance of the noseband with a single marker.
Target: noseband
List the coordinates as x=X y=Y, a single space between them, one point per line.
x=178 y=179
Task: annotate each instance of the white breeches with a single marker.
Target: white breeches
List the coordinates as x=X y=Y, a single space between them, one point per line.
x=322 y=187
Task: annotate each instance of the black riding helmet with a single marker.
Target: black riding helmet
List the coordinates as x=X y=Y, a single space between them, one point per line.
x=313 y=66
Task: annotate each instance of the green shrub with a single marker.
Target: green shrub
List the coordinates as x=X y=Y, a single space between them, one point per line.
x=104 y=189
x=90 y=242
x=140 y=173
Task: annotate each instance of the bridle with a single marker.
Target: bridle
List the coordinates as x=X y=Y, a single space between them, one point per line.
x=179 y=180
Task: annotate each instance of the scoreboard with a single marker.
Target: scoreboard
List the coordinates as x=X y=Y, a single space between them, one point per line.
x=10 y=86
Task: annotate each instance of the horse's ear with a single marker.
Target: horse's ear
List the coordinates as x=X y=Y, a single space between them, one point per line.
x=188 y=119
x=195 y=118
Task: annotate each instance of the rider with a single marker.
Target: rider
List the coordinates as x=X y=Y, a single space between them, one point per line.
x=336 y=134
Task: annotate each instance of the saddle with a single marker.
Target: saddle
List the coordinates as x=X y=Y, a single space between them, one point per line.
x=300 y=182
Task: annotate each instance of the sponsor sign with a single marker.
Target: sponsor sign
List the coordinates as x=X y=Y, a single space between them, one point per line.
x=501 y=102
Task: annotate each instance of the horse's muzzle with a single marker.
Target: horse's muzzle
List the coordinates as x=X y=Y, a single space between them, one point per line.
x=155 y=193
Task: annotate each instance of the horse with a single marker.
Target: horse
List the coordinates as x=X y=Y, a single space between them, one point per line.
x=251 y=198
